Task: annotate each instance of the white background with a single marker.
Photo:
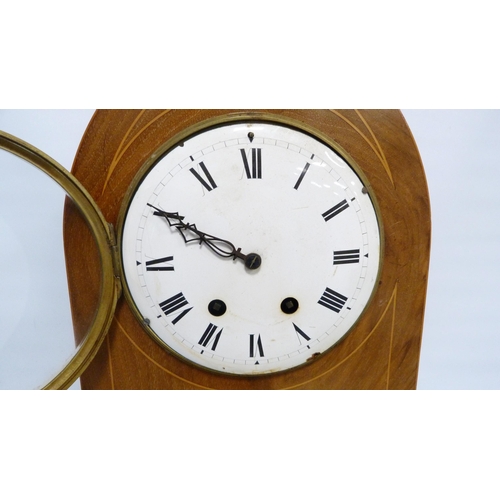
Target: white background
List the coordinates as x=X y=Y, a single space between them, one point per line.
x=426 y=55
x=460 y=150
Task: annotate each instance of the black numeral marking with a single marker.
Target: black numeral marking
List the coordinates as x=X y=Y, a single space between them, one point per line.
x=151 y=265
x=301 y=333
x=202 y=180
x=332 y=300
x=173 y=304
x=340 y=207
x=256 y=346
x=345 y=257
x=209 y=335
x=256 y=172
x=301 y=176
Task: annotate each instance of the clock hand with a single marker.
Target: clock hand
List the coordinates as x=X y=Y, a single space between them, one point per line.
x=221 y=247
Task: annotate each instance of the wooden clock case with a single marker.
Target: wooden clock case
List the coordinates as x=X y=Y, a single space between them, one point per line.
x=381 y=351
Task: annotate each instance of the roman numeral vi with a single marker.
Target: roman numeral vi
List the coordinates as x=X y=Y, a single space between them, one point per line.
x=208 y=336
x=256 y=346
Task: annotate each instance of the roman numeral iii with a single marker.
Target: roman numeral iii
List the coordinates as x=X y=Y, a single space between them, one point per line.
x=256 y=171
x=345 y=257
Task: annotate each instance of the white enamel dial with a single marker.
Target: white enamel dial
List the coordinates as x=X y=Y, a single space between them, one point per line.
x=269 y=190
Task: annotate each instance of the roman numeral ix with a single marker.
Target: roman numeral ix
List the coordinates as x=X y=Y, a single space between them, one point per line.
x=151 y=265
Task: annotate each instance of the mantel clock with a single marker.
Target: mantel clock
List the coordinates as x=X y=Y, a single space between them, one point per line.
x=253 y=249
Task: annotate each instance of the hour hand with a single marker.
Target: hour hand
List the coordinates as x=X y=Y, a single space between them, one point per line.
x=190 y=232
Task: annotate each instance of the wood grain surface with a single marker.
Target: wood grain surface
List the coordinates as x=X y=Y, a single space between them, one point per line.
x=381 y=351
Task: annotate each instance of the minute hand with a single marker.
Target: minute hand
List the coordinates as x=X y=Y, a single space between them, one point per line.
x=190 y=232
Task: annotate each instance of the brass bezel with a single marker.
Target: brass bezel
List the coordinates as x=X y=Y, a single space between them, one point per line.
x=234 y=117
x=104 y=238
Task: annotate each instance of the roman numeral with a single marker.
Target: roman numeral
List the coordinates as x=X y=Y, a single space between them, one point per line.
x=256 y=172
x=256 y=345
x=346 y=257
x=204 y=182
x=340 y=207
x=151 y=265
x=301 y=333
x=209 y=335
x=301 y=176
x=173 y=304
x=332 y=300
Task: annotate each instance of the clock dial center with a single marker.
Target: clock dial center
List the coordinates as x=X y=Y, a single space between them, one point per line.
x=253 y=261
